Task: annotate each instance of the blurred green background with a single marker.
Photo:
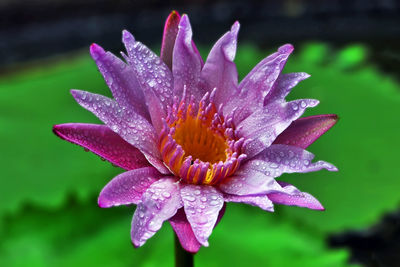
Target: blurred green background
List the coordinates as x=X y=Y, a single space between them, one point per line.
x=48 y=187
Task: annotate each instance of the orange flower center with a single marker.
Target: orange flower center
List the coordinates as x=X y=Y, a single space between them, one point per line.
x=199 y=147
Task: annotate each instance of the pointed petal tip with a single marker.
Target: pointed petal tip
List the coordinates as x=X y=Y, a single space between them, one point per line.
x=286 y=49
x=328 y=166
x=204 y=243
x=126 y=35
x=58 y=130
x=136 y=244
x=272 y=209
x=96 y=50
x=317 y=206
x=74 y=91
x=306 y=75
x=173 y=15
x=100 y=202
x=56 y=127
x=235 y=27
x=184 y=22
x=333 y=169
x=314 y=103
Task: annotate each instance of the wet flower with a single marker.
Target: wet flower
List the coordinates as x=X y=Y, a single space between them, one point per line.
x=192 y=138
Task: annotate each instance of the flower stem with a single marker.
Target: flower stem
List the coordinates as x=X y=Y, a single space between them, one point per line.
x=182 y=257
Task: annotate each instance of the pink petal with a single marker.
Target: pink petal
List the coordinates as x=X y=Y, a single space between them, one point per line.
x=102 y=141
x=284 y=85
x=159 y=203
x=202 y=205
x=291 y=196
x=219 y=71
x=305 y=131
x=247 y=181
x=128 y=187
x=256 y=85
x=184 y=231
x=169 y=37
x=132 y=127
x=154 y=77
x=263 y=126
x=121 y=80
x=278 y=159
x=186 y=63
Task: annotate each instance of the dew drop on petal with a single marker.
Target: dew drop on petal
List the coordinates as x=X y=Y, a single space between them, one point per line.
x=166 y=194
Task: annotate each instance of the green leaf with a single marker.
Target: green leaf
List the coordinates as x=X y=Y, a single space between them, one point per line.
x=36 y=165
x=81 y=234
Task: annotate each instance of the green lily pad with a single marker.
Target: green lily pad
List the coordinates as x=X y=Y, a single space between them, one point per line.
x=81 y=234
x=36 y=165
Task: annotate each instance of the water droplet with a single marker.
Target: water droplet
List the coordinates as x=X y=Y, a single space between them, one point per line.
x=197 y=192
x=190 y=198
x=152 y=83
x=166 y=194
x=213 y=202
x=201 y=219
x=274 y=165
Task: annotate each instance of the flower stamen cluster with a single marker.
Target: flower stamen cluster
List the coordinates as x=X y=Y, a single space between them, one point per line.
x=200 y=147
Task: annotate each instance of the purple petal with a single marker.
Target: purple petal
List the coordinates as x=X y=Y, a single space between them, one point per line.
x=169 y=37
x=263 y=126
x=263 y=76
x=256 y=85
x=304 y=131
x=128 y=187
x=121 y=80
x=278 y=159
x=154 y=77
x=261 y=201
x=132 y=127
x=219 y=71
x=186 y=63
x=202 y=205
x=184 y=231
x=291 y=196
x=159 y=203
x=284 y=85
x=247 y=181
x=102 y=141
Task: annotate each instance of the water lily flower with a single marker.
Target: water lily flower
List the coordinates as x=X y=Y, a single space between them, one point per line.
x=191 y=137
